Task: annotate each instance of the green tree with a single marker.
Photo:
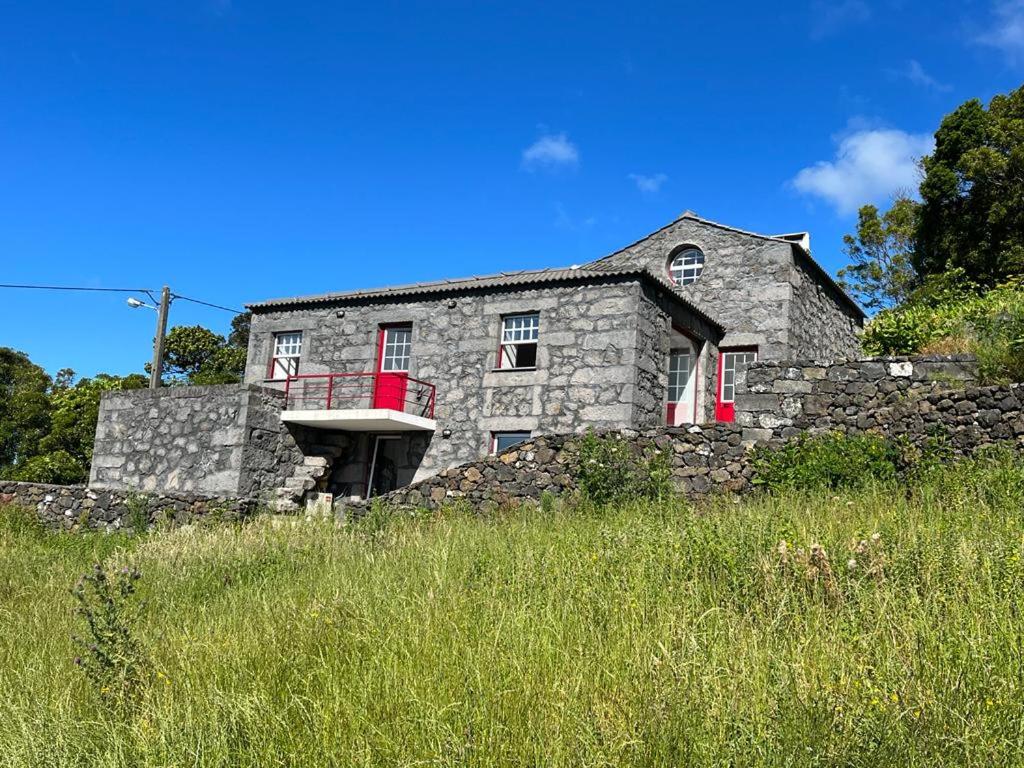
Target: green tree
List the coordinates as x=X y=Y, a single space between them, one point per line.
x=972 y=214
x=881 y=274
x=24 y=407
x=74 y=411
x=239 y=336
x=196 y=355
x=225 y=366
x=187 y=348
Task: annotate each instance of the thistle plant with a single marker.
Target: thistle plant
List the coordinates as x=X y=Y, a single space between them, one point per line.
x=112 y=659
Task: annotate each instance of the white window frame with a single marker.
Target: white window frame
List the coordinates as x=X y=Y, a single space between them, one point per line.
x=730 y=358
x=519 y=330
x=396 y=351
x=494 y=439
x=686 y=266
x=286 y=351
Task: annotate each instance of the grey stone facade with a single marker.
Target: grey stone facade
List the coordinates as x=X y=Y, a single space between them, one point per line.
x=599 y=362
x=803 y=395
x=765 y=291
x=607 y=333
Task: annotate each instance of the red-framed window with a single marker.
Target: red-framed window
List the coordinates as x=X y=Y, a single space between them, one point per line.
x=519 y=336
x=285 y=354
x=729 y=362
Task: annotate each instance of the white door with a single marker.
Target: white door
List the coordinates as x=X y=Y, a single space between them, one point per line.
x=682 y=385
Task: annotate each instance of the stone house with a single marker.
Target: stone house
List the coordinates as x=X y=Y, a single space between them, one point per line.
x=403 y=382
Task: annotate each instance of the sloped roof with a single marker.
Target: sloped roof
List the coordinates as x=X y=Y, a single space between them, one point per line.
x=522 y=278
x=792 y=240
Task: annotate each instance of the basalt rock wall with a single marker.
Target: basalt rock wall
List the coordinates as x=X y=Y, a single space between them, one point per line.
x=76 y=507
x=719 y=457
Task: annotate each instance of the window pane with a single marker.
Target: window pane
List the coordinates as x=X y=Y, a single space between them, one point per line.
x=519 y=328
x=503 y=440
x=287 y=344
x=397 y=349
x=730 y=362
x=687 y=266
x=679 y=368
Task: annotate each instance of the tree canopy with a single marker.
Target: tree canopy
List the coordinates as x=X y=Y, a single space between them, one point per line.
x=881 y=274
x=972 y=211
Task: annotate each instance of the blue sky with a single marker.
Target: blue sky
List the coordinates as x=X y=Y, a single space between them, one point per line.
x=240 y=150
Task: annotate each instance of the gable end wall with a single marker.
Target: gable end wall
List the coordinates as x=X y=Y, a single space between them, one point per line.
x=823 y=327
x=746 y=285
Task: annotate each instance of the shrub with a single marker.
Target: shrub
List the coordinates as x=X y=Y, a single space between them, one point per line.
x=59 y=468
x=613 y=470
x=137 y=507
x=830 y=461
x=945 y=318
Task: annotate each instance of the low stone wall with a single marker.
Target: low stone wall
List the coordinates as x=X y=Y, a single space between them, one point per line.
x=802 y=395
x=718 y=457
x=223 y=440
x=76 y=507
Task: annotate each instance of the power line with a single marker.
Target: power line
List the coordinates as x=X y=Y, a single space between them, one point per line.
x=75 y=288
x=208 y=304
x=147 y=291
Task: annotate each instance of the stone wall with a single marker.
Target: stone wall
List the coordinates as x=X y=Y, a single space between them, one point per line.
x=821 y=328
x=76 y=507
x=224 y=440
x=710 y=458
x=797 y=395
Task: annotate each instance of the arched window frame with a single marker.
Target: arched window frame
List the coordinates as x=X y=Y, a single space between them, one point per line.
x=688 y=273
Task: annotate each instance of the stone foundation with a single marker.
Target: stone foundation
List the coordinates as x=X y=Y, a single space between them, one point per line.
x=710 y=458
x=76 y=507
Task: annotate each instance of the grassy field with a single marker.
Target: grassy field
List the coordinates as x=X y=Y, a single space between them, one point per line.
x=653 y=634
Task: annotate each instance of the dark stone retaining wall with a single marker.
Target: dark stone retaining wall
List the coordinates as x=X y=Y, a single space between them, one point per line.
x=806 y=395
x=74 y=507
x=719 y=456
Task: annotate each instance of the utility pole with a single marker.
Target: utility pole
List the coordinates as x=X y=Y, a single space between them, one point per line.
x=158 y=342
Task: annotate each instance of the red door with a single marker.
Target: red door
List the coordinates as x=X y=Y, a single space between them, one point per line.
x=728 y=362
x=392 y=380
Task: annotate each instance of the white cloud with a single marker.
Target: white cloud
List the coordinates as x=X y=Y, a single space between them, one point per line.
x=1006 y=32
x=648 y=184
x=830 y=16
x=870 y=164
x=916 y=74
x=551 y=151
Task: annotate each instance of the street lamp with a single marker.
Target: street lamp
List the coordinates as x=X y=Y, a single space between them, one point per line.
x=161 y=331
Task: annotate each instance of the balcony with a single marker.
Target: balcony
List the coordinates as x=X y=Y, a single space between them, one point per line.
x=360 y=402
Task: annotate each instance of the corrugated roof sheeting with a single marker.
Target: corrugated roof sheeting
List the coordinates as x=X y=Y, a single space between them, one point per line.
x=500 y=280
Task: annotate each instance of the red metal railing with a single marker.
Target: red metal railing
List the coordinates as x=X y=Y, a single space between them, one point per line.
x=328 y=391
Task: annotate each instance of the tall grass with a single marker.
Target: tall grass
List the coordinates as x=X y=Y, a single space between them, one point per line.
x=651 y=634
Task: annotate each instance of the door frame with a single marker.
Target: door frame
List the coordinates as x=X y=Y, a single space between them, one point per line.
x=697 y=346
x=382 y=333
x=720 y=405
x=371 y=465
